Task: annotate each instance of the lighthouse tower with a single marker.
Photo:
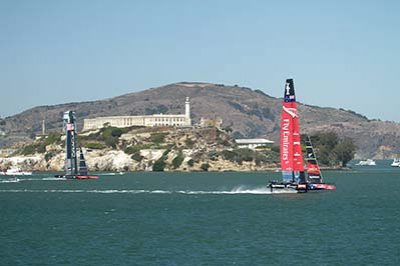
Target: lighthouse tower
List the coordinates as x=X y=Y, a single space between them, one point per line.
x=187 y=112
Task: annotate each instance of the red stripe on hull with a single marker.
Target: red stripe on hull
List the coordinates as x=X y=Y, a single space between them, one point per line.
x=86 y=177
x=77 y=176
x=325 y=186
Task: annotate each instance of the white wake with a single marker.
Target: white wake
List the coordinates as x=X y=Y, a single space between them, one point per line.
x=235 y=191
x=13 y=180
x=33 y=179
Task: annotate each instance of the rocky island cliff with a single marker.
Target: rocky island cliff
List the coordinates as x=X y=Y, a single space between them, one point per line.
x=147 y=149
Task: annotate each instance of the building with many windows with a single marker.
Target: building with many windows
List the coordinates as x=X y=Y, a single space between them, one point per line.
x=253 y=143
x=179 y=120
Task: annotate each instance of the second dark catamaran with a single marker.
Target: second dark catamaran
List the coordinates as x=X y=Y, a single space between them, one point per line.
x=292 y=163
x=73 y=170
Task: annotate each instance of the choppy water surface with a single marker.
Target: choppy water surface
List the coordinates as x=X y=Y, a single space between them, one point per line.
x=200 y=219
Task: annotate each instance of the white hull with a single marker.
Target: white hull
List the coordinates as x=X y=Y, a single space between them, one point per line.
x=396 y=163
x=368 y=162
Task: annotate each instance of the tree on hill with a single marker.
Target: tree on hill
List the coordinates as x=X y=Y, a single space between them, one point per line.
x=345 y=151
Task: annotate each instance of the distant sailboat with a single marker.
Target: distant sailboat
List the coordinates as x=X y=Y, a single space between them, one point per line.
x=292 y=164
x=72 y=169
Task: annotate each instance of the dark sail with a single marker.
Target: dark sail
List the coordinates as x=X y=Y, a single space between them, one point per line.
x=314 y=173
x=82 y=164
x=69 y=122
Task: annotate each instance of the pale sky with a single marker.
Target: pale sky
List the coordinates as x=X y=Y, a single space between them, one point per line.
x=342 y=54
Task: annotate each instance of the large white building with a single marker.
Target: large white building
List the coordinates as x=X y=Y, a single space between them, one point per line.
x=253 y=143
x=179 y=120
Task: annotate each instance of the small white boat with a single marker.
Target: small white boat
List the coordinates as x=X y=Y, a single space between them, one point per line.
x=396 y=162
x=15 y=172
x=368 y=162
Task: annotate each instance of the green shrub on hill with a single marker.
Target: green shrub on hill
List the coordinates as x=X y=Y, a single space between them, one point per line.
x=158 y=138
x=159 y=165
x=205 y=167
x=109 y=135
x=239 y=155
x=228 y=155
x=39 y=146
x=95 y=146
x=136 y=148
x=177 y=161
x=49 y=155
x=29 y=149
x=189 y=143
x=165 y=154
x=33 y=148
x=52 y=138
x=212 y=155
x=132 y=149
x=112 y=132
x=190 y=162
x=136 y=156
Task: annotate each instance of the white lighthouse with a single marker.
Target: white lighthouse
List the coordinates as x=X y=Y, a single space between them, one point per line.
x=187 y=111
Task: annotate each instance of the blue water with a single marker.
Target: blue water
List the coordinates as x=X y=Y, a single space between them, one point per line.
x=200 y=219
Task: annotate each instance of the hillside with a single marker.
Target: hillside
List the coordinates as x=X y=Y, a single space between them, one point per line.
x=249 y=113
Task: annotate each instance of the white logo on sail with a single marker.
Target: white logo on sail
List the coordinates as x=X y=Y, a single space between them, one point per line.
x=287 y=88
x=291 y=111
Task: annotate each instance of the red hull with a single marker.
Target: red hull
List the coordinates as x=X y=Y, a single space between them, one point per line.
x=325 y=186
x=86 y=177
x=78 y=176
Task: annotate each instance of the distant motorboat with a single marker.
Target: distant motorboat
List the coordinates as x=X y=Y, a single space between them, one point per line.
x=15 y=171
x=368 y=162
x=396 y=162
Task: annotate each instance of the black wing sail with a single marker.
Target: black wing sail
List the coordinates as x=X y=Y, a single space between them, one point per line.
x=82 y=164
x=314 y=173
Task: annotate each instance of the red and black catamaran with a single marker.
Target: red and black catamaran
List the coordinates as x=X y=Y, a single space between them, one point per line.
x=72 y=169
x=292 y=164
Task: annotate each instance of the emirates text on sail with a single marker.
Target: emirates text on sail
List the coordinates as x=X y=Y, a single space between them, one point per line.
x=285 y=136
